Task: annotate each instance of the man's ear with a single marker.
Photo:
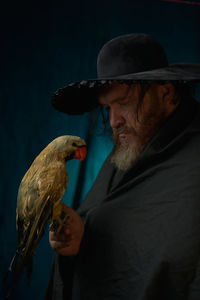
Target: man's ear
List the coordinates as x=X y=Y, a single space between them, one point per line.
x=167 y=95
x=166 y=92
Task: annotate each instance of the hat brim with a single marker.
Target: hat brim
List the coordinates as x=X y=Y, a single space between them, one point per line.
x=80 y=97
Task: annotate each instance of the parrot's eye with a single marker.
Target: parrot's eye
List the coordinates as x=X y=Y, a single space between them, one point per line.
x=74 y=144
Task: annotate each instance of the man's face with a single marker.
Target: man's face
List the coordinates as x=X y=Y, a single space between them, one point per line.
x=132 y=127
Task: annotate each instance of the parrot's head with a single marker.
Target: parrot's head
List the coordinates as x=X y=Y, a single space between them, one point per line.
x=70 y=147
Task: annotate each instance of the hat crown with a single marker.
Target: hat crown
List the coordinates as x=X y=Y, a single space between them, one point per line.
x=129 y=54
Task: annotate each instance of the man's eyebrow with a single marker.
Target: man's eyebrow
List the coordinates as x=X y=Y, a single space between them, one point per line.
x=117 y=99
x=114 y=100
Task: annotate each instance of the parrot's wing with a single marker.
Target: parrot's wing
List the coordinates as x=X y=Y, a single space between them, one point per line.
x=38 y=196
x=26 y=211
x=36 y=228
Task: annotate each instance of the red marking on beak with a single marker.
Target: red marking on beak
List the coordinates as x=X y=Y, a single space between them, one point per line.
x=80 y=153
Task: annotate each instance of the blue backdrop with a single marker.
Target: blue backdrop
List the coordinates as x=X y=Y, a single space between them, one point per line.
x=44 y=46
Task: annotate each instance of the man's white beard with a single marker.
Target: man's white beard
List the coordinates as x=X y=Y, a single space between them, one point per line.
x=124 y=153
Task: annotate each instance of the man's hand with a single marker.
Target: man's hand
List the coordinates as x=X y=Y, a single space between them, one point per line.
x=68 y=242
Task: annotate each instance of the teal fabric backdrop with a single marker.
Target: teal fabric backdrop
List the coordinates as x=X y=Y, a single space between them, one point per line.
x=44 y=46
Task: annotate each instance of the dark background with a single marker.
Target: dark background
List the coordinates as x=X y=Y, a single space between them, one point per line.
x=44 y=46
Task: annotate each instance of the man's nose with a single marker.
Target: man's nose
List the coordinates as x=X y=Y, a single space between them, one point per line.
x=116 y=118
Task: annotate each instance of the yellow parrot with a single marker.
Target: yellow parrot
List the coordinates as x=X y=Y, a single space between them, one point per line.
x=39 y=199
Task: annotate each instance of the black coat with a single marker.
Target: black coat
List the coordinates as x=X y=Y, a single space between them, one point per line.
x=142 y=234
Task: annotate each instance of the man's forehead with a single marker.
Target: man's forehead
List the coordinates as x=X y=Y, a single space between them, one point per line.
x=115 y=92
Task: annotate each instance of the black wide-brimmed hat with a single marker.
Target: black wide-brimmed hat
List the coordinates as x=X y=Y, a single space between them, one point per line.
x=129 y=58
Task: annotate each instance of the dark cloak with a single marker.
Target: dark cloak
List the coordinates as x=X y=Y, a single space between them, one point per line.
x=142 y=234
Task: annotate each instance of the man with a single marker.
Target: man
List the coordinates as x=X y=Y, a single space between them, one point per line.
x=137 y=234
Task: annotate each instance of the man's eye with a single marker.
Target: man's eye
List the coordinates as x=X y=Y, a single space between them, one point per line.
x=123 y=103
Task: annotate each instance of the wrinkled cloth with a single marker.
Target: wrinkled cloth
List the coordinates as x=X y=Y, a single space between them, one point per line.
x=142 y=233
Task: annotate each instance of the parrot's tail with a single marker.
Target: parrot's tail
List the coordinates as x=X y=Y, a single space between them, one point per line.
x=23 y=257
x=19 y=261
x=15 y=269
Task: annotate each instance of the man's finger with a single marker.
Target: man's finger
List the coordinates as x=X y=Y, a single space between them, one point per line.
x=64 y=236
x=59 y=245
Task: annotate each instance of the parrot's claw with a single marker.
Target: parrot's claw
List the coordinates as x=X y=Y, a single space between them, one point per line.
x=57 y=224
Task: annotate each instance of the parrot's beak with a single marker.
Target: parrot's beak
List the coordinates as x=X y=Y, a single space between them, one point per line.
x=80 y=153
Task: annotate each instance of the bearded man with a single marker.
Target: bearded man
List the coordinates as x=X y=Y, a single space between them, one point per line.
x=137 y=234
